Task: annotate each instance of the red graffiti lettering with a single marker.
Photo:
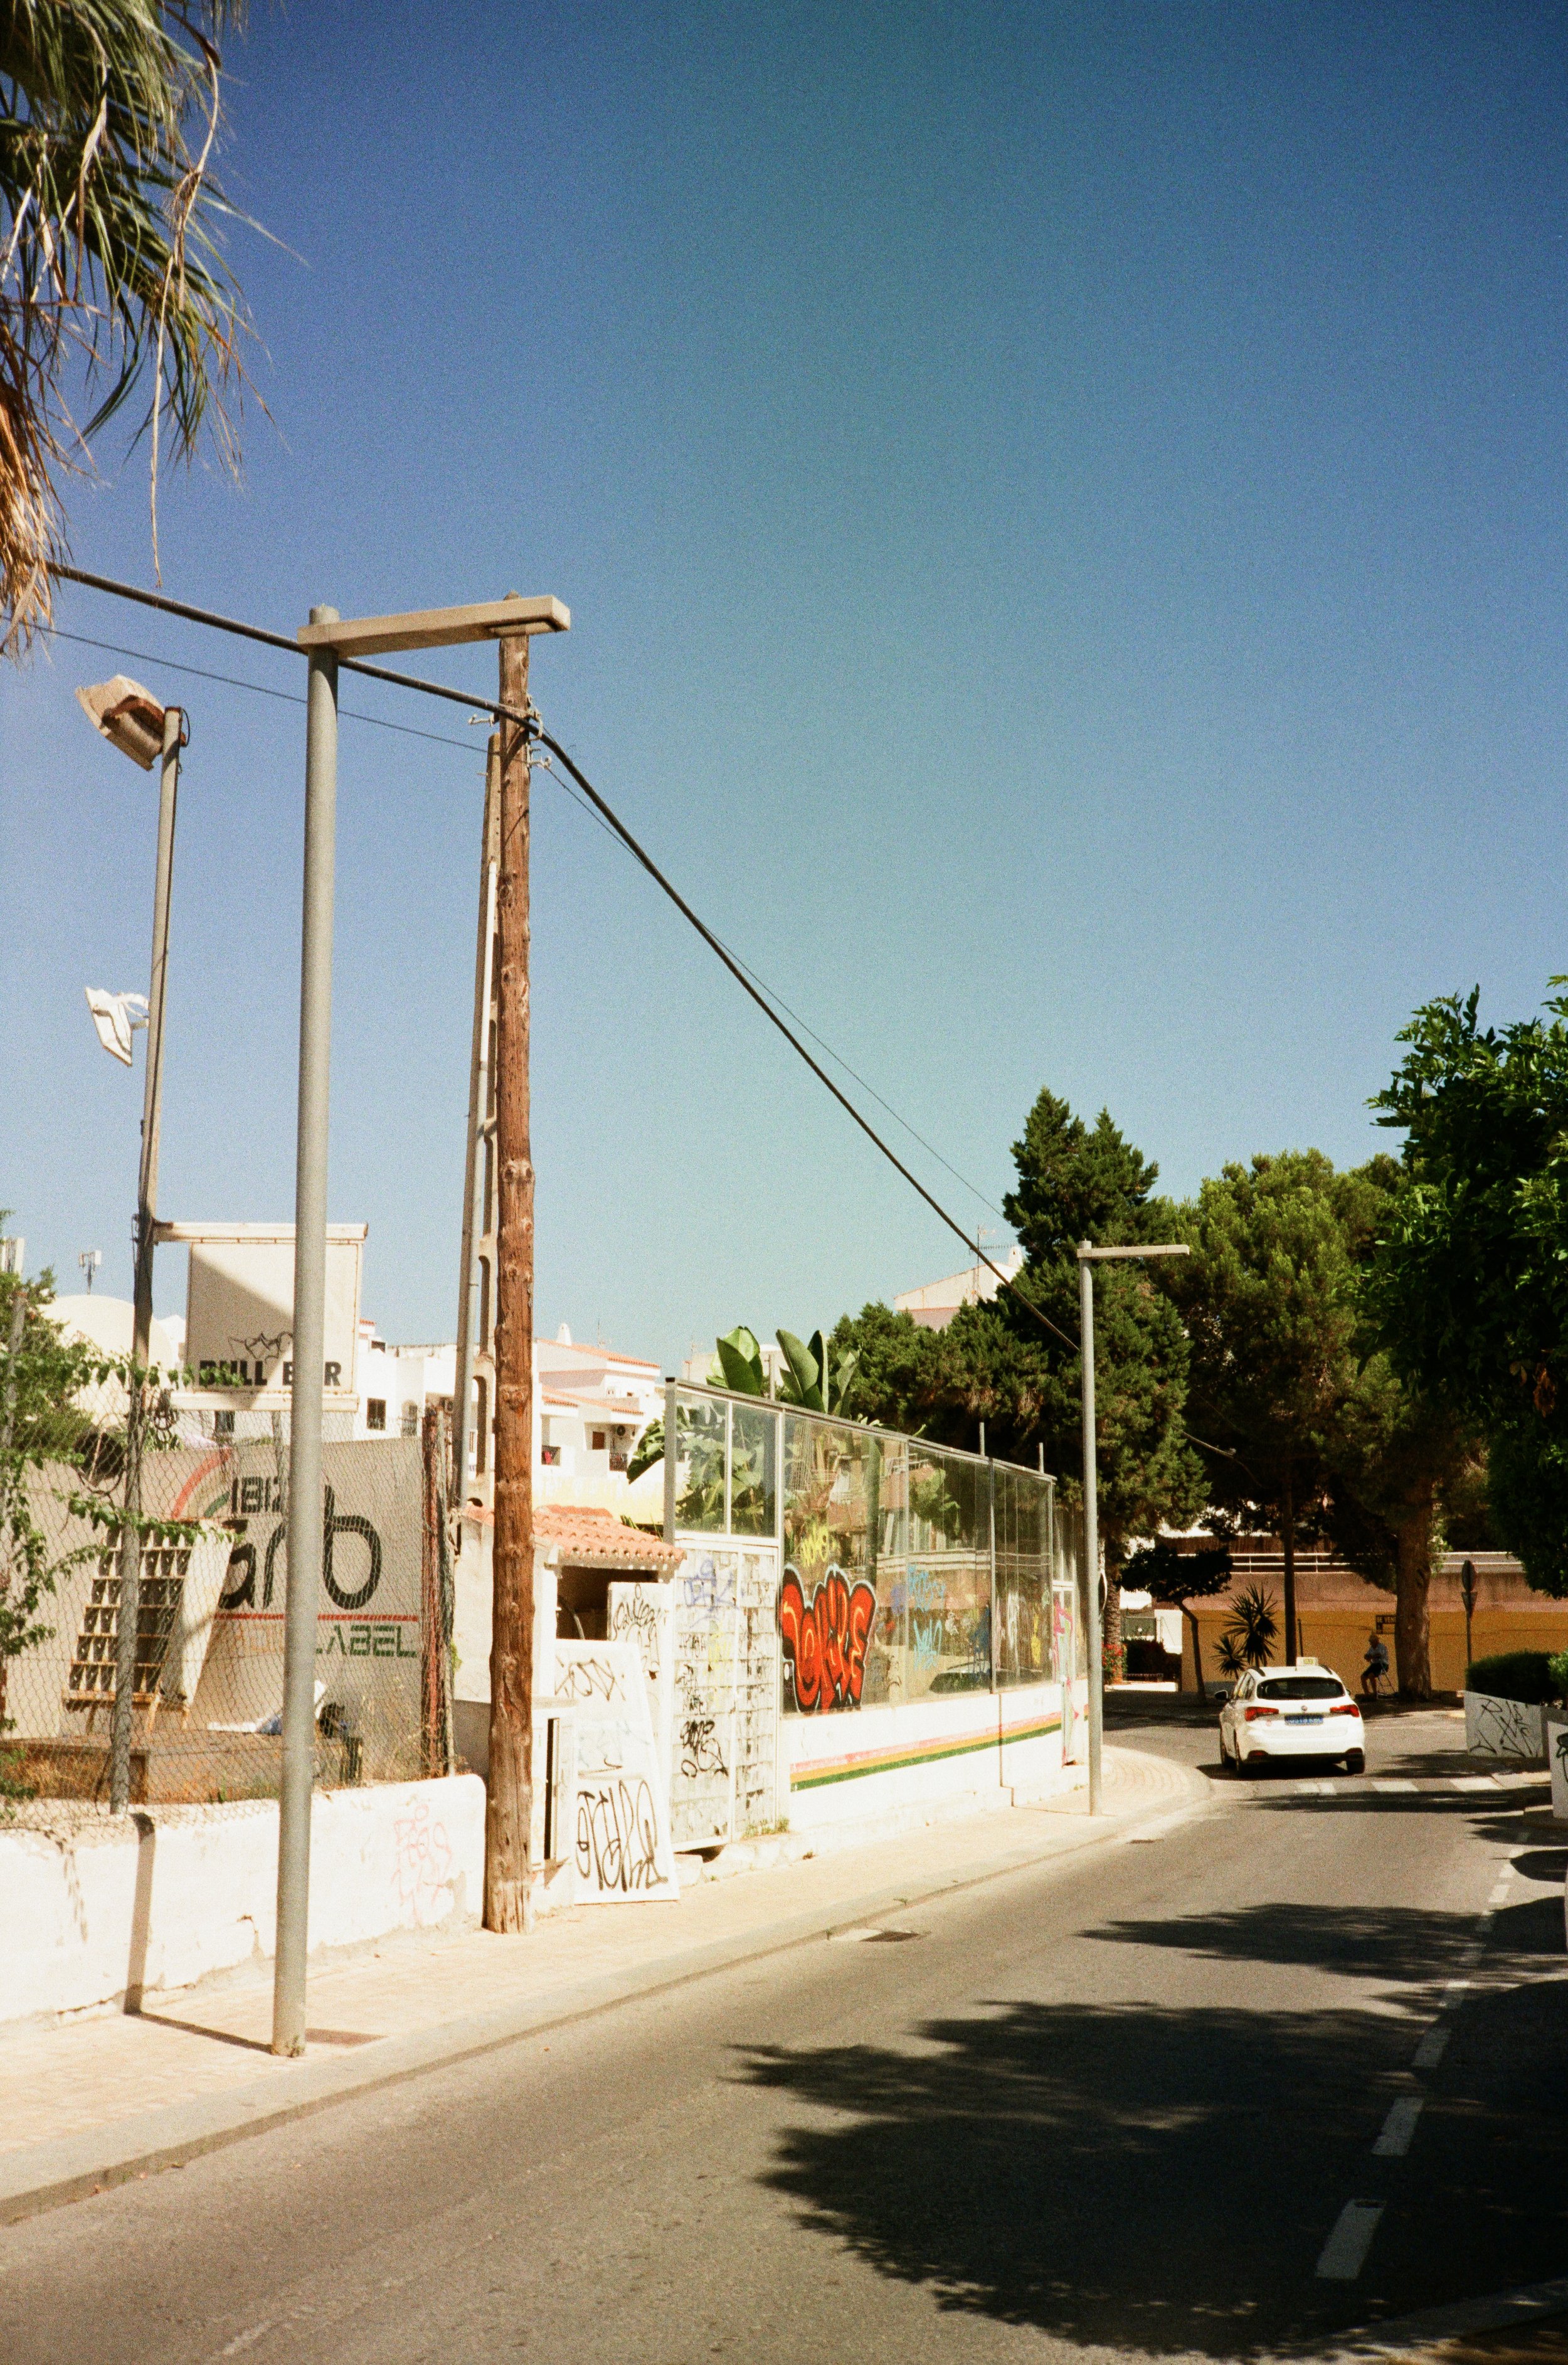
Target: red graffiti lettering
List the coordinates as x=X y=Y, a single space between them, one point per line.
x=824 y=1639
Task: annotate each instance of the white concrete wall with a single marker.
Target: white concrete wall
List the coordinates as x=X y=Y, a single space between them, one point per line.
x=117 y=1910
x=858 y=1768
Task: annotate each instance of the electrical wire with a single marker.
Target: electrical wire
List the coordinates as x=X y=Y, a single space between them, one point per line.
x=535 y=732
x=538 y=732
x=260 y=688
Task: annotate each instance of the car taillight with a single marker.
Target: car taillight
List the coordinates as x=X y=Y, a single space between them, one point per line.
x=1261 y=1712
x=1344 y=1708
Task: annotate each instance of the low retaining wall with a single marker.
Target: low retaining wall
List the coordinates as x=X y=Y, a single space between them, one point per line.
x=100 y=1913
x=859 y=1768
x=1504 y=1728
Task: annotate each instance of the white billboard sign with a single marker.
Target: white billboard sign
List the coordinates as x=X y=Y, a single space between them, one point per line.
x=240 y=1309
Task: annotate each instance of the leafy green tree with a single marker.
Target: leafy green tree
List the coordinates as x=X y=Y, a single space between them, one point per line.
x=1400 y=1467
x=1469 y=1285
x=1302 y=1421
x=1268 y=1299
x=41 y=1375
x=1014 y=1363
x=112 y=274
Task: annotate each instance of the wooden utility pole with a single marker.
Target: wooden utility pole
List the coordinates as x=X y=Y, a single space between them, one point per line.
x=509 y=1812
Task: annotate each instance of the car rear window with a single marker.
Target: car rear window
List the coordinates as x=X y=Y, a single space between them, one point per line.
x=1302 y=1687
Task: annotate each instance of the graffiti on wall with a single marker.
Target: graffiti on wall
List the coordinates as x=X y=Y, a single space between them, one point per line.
x=824 y=1639
x=724 y=1698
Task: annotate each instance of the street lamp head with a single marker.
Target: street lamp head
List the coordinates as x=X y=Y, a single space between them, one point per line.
x=436 y=628
x=127 y=716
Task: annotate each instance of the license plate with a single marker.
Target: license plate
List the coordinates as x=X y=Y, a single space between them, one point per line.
x=1309 y=1719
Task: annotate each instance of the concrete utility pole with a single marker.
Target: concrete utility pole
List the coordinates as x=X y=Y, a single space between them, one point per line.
x=129 y=1613
x=301 y=1597
x=1088 y=1257
x=508 y=1813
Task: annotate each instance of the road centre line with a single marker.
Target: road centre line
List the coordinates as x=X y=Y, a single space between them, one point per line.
x=1432 y=2047
x=1394 y=1782
x=1344 y=2254
x=1398 y=2128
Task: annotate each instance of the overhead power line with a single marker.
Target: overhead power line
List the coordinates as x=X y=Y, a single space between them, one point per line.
x=545 y=739
x=531 y=724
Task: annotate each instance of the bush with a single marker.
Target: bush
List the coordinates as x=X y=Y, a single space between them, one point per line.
x=1533 y=1676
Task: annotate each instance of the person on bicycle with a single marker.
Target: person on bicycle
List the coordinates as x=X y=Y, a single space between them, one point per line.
x=1376 y=1664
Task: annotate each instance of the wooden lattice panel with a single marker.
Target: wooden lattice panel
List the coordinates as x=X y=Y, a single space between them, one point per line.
x=91 y=1682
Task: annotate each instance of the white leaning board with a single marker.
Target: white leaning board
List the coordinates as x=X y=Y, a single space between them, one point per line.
x=618 y=1822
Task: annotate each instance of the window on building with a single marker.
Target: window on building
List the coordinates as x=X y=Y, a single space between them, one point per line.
x=410 y=1420
x=376 y=1412
x=223 y=1424
x=598 y=1440
x=550 y=1456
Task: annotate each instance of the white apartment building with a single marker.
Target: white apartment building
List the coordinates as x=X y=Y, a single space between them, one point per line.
x=933 y=1306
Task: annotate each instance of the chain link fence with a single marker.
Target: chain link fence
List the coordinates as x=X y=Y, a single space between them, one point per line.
x=214 y=1577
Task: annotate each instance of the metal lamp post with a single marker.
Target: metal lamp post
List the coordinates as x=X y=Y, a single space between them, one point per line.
x=325 y=640
x=1088 y=1257
x=1467 y=1595
x=124 y=714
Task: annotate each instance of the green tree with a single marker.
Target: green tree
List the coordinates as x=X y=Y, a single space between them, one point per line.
x=41 y=1375
x=1302 y=1418
x=1267 y=1298
x=112 y=274
x=1001 y=1364
x=1400 y=1466
x=1469 y=1285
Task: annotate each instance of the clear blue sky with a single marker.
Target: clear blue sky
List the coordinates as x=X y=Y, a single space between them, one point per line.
x=1063 y=511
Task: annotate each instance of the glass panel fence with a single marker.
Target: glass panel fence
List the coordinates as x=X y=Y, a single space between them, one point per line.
x=700 y=1465
x=908 y=1571
x=828 y=1609
x=1024 y=1652
x=753 y=1475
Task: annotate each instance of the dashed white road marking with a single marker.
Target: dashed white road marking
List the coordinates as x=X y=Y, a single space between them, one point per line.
x=1345 y=2252
x=1394 y=1782
x=1398 y=2128
x=1470 y=1781
x=248 y=2339
x=1432 y=2047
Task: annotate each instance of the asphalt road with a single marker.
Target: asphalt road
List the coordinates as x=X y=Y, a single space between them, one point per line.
x=1120 y=2102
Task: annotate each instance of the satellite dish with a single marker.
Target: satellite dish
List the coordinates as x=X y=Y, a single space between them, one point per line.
x=115 y=1015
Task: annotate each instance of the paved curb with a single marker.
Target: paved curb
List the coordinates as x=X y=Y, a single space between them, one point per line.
x=1405 y=2335
x=39 y=2177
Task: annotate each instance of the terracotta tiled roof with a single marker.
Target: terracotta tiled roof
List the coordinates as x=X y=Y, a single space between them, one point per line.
x=592 y=1539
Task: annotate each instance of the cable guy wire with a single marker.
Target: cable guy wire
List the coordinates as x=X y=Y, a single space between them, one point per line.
x=531 y=724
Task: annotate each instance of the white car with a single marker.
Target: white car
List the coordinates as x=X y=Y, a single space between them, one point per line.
x=1297 y=1711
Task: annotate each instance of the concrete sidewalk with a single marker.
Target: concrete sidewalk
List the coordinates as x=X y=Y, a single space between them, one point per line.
x=92 y=2103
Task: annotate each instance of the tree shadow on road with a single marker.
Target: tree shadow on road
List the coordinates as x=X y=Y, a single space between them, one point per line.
x=1153 y=2179
x=1411 y=1945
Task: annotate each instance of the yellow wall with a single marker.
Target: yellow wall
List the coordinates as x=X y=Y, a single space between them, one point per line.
x=1338 y=1637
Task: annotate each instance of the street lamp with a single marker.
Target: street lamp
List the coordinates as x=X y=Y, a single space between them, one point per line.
x=131 y=719
x=326 y=639
x=1088 y=1257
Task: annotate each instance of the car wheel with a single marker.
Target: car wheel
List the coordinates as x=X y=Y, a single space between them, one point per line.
x=1356 y=1762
